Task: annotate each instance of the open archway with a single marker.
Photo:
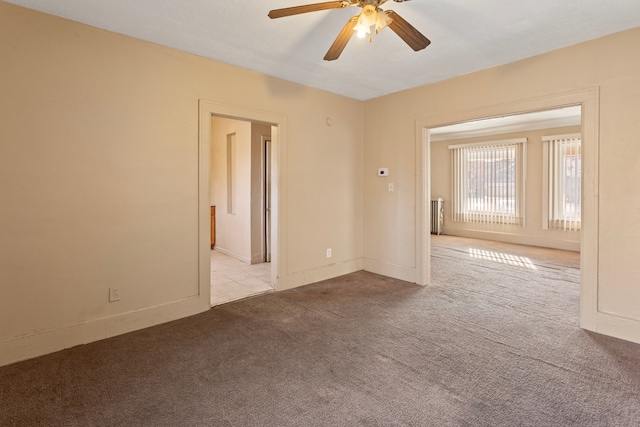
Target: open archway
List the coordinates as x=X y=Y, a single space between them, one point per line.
x=589 y=101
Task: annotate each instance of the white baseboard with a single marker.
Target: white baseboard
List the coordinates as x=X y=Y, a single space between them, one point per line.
x=43 y=342
x=400 y=272
x=518 y=239
x=619 y=327
x=329 y=271
x=232 y=254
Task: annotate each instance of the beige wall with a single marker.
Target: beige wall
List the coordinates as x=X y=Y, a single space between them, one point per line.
x=99 y=180
x=233 y=225
x=529 y=234
x=238 y=233
x=610 y=64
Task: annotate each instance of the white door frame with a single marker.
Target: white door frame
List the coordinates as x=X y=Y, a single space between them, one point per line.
x=589 y=99
x=265 y=157
x=278 y=122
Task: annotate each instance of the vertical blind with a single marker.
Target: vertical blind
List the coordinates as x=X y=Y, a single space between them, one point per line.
x=488 y=182
x=563 y=182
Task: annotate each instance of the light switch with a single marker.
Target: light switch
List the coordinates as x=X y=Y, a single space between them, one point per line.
x=383 y=172
x=391 y=188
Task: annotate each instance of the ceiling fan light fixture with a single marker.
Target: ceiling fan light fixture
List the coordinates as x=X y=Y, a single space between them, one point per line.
x=368 y=18
x=363 y=33
x=362 y=30
x=383 y=21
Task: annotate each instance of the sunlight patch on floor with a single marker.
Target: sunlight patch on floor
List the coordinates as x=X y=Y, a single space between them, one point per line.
x=503 y=258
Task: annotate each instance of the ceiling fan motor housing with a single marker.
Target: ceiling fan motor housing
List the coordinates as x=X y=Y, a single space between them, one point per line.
x=369 y=15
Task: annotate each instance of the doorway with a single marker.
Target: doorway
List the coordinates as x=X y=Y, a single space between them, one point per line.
x=588 y=100
x=239 y=194
x=499 y=181
x=229 y=200
x=496 y=228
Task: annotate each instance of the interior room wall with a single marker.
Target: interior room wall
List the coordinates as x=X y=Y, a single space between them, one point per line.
x=233 y=225
x=238 y=233
x=531 y=233
x=99 y=180
x=611 y=65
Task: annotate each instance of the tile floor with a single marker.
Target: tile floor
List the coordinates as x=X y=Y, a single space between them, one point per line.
x=232 y=279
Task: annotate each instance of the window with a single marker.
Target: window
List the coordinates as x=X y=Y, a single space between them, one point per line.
x=488 y=182
x=562 y=173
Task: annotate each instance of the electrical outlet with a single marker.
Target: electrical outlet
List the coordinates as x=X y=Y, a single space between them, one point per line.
x=328 y=252
x=114 y=294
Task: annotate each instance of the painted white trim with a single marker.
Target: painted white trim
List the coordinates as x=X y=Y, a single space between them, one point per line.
x=43 y=342
x=278 y=124
x=278 y=200
x=589 y=99
x=318 y=274
x=589 y=227
x=517 y=239
x=263 y=199
x=423 y=208
x=232 y=254
x=619 y=327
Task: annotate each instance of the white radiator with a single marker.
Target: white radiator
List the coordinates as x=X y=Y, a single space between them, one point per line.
x=437 y=216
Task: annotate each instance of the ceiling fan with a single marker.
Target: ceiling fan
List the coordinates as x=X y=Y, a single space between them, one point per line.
x=370 y=17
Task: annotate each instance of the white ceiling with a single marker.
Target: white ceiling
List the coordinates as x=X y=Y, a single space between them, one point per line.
x=466 y=35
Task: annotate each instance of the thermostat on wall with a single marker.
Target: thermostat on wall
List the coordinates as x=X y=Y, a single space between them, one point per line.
x=383 y=172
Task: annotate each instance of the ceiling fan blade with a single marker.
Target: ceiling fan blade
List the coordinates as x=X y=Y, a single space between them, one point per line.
x=341 y=41
x=407 y=32
x=296 y=10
